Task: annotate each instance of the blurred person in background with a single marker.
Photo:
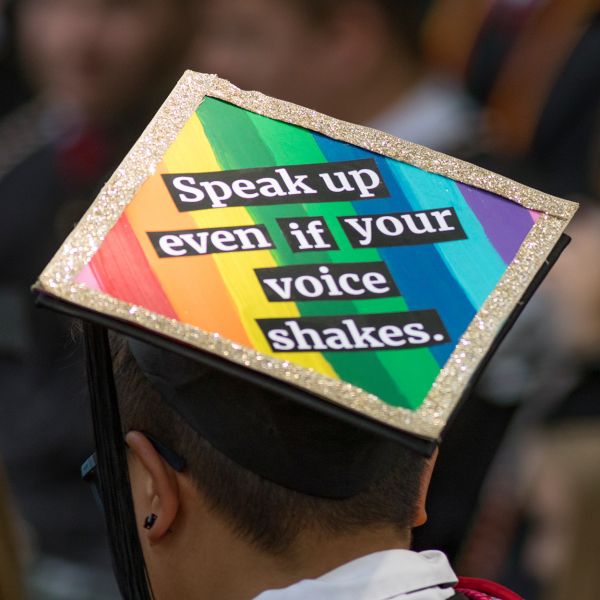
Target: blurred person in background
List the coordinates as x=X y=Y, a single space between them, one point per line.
x=99 y=70
x=357 y=60
x=534 y=66
x=562 y=486
x=103 y=60
x=11 y=585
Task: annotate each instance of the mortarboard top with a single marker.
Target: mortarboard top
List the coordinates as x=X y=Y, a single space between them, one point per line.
x=358 y=272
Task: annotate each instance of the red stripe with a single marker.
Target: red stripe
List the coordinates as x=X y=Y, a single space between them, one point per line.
x=481 y=589
x=124 y=273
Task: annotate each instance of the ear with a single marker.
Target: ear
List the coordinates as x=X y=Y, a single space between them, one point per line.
x=421 y=514
x=154 y=487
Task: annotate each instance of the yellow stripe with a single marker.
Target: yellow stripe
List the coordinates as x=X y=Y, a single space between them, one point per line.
x=192 y=153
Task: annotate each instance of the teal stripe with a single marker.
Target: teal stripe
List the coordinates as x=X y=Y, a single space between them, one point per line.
x=474 y=262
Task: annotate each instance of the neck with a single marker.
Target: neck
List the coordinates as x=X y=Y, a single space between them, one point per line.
x=311 y=557
x=315 y=554
x=217 y=563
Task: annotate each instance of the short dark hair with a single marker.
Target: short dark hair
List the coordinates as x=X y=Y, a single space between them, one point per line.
x=259 y=510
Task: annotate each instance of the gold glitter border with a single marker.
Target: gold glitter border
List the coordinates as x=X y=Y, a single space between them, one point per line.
x=58 y=279
x=393 y=147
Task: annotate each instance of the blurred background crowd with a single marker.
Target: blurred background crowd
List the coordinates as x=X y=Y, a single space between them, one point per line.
x=512 y=85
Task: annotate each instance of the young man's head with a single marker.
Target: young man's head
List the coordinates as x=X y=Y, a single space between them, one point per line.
x=103 y=57
x=216 y=513
x=347 y=58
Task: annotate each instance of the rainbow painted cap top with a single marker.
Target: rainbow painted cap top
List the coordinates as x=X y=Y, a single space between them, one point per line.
x=345 y=269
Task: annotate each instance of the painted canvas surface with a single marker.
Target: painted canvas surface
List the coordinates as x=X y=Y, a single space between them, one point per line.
x=359 y=267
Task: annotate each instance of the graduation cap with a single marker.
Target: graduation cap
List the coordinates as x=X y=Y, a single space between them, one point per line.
x=328 y=266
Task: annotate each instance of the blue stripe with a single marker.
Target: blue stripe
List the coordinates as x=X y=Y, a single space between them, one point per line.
x=441 y=290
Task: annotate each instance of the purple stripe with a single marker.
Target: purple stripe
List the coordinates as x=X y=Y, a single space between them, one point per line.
x=505 y=223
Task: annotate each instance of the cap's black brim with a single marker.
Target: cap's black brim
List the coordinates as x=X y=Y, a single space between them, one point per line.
x=558 y=249
x=423 y=446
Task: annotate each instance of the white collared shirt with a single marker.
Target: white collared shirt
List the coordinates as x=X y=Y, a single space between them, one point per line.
x=392 y=574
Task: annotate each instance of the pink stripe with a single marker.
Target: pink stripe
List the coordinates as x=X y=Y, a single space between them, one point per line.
x=87 y=278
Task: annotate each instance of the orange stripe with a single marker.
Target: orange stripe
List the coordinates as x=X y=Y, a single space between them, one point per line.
x=193 y=284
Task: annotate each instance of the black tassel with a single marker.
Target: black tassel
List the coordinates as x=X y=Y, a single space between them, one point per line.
x=112 y=471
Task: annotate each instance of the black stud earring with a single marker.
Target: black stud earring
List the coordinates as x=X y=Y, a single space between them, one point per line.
x=150 y=520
